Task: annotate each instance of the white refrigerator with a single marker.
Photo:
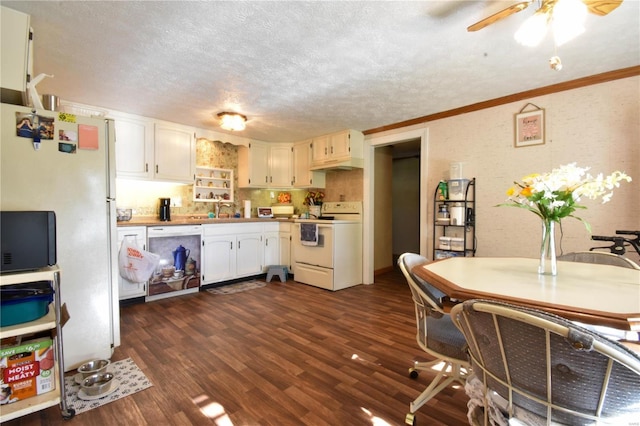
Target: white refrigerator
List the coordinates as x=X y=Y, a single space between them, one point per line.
x=71 y=171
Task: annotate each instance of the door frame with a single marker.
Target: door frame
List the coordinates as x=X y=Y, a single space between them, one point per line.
x=371 y=143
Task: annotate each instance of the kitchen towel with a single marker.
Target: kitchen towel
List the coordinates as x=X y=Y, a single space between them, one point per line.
x=309 y=234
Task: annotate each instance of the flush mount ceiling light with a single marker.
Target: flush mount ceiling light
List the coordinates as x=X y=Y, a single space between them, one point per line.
x=232 y=121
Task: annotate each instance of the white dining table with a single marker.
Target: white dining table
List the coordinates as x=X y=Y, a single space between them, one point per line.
x=590 y=293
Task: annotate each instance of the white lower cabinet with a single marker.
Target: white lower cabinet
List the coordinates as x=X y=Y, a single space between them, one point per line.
x=218 y=257
x=231 y=251
x=285 y=245
x=249 y=254
x=271 y=246
x=126 y=288
x=277 y=245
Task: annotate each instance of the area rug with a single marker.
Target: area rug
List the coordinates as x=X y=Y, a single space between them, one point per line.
x=129 y=379
x=238 y=287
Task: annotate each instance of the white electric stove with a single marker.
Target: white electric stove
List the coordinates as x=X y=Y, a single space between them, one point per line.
x=327 y=251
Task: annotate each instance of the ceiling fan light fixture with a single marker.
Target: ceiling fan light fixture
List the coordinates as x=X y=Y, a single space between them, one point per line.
x=232 y=121
x=569 y=17
x=533 y=29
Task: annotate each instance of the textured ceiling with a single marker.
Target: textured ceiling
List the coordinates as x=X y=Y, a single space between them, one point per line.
x=302 y=69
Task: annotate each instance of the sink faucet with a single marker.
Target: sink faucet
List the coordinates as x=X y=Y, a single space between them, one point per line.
x=219 y=206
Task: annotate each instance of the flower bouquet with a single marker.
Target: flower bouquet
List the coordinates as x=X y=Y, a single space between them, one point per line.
x=555 y=195
x=313 y=198
x=314 y=201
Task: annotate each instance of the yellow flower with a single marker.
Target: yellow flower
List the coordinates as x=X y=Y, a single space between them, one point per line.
x=555 y=195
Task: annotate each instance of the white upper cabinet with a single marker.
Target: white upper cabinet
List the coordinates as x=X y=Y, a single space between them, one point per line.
x=280 y=166
x=321 y=146
x=151 y=150
x=303 y=176
x=263 y=165
x=342 y=150
x=253 y=165
x=175 y=153
x=134 y=148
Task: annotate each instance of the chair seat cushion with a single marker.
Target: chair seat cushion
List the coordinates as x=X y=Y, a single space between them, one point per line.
x=444 y=337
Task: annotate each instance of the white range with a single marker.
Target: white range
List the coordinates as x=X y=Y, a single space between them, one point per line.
x=327 y=251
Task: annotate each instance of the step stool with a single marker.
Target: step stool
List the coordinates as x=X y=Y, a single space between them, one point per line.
x=280 y=270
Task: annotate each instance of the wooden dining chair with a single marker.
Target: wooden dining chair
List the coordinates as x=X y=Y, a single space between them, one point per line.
x=533 y=367
x=436 y=335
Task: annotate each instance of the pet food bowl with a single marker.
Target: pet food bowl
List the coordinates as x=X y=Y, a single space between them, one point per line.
x=97 y=384
x=93 y=367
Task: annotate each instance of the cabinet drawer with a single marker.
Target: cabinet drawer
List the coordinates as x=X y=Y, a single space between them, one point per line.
x=232 y=229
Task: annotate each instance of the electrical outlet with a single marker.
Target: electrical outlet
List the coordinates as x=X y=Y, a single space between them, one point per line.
x=176 y=201
x=272 y=195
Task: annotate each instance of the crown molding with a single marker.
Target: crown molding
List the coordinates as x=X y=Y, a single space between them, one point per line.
x=546 y=90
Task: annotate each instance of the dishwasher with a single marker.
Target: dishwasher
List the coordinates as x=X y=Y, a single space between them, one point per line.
x=178 y=270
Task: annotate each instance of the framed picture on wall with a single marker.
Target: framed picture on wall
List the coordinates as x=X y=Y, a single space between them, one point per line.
x=529 y=128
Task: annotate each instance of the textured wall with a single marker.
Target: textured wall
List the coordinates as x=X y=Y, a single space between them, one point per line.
x=596 y=126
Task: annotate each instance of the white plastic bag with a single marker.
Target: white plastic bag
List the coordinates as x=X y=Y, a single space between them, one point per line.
x=136 y=264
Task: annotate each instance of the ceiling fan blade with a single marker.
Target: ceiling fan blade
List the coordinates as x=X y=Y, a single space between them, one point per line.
x=601 y=7
x=515 y=8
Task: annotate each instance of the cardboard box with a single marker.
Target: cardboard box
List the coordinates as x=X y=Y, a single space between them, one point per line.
x=27 y=370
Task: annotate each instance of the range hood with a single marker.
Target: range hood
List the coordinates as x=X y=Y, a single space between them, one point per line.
x=353 y=163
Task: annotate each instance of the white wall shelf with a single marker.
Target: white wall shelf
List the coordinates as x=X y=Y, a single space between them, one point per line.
x=213 y=185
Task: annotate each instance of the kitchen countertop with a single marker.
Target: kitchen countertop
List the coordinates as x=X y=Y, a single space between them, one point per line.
x=194 y=220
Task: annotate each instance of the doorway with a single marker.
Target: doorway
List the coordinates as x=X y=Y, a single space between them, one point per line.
x=397 y=203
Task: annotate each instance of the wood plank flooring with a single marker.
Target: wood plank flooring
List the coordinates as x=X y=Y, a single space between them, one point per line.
x=284 y=354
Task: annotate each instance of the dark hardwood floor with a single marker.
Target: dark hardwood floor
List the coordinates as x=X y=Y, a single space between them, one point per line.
x=284 y=354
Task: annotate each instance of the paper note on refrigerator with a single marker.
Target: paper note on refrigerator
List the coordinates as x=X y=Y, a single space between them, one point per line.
x=87 y=137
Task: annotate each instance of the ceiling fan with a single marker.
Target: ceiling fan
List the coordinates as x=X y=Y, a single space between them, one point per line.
x=597 y=7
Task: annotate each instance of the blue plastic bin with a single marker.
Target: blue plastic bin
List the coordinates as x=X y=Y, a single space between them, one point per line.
x=25 y=302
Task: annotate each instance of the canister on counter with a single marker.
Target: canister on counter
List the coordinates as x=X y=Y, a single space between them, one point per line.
x=443 y=190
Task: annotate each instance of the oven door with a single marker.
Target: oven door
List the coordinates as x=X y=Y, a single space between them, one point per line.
x=318 y=255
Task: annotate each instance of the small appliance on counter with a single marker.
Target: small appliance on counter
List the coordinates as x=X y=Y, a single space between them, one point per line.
x=282 y=210
x=265 y=212
x=165 y=209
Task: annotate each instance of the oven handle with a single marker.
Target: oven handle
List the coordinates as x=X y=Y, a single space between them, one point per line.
x=320 y=225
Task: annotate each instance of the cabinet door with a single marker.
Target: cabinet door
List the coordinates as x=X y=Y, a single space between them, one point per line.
x=285 y=249
x=340 y=146
x=303 y=177
x=253 y=166
x=134 y=148
x=271 y=249
x=174 y=153
x=218 y=259
x=320 y=152
x=126 y=288
x=249 y=254
x=280 y=165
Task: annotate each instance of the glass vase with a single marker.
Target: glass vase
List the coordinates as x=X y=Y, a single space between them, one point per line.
x=548 y=264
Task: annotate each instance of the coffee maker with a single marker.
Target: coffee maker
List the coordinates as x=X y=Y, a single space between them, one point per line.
x=164 y=211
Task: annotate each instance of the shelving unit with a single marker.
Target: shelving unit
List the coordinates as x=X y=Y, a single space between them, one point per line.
x=465 y=230
x=51 y=321
x=213 y=185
